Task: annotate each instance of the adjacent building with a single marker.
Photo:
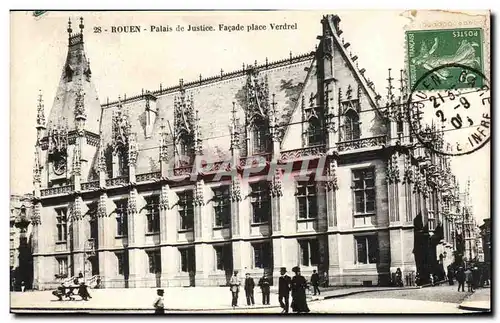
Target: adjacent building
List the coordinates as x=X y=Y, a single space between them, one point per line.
x=486 y=240
x=294 y=162
x=21 y=262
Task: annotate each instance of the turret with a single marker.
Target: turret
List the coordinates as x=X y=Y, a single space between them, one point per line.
x=73 y=123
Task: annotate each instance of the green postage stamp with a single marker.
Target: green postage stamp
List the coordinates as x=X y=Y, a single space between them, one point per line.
x=430 y=49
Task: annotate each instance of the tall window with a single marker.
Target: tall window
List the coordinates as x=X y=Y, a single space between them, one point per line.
x=260 y=137
x=260 y=201
x=366 y=249
x=153 y=213
x=306 y=200
x=121 y=217
x=184 y=158
x=309 y=252
x=314 y=133
x=122 y=260
x=62 y=224
x=263 y=255
x=222 y=207
x=62 y=264
x=351 y=126
x=187 y=260
x=122 y=156
x=186 y=210
x=92 y=212
x=364 y=190
x=223 y=257
x=154 y=259
x=400 y=128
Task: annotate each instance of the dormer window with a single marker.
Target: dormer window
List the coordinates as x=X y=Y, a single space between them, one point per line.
x=260 y=137
x=184 y=150
x=314 y=133
x=122 y=163
x=351 y=125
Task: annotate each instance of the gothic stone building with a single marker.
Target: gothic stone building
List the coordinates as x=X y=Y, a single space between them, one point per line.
x=294 y=162
x=21 y=262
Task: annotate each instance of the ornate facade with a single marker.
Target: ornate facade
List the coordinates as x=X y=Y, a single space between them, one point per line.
x=294 y=162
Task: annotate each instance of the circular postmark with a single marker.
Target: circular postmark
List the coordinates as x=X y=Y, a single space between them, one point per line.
x=450 y=110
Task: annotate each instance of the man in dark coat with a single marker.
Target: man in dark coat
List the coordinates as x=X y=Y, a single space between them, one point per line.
x=299 y=285
x=249 y=286
x=315 y=283
x=264 y=284
x=284 y=284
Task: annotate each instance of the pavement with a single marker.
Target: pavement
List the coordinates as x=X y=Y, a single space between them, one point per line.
x=479 y=301
x=180 y=299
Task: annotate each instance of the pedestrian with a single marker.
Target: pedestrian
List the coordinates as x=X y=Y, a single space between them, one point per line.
x=265 y=287
x=449 y=274
x=23 y=286
x=234 y=286
x=59 y=292
x=399 y=277
x=299 y=285
x=315 y=283
x=284 y=285
x=469 y=280
x=460 y=275
x=159 y=304
x=249 y=287
x=83 y=291
x=476 y=276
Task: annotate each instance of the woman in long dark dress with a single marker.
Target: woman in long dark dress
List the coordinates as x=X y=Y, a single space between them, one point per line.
x=299 y=285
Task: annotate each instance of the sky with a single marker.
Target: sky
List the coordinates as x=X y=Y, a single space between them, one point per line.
x=125 y=63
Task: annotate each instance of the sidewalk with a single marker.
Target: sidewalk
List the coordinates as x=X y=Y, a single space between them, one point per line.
x=176 y=299
x=479 y=301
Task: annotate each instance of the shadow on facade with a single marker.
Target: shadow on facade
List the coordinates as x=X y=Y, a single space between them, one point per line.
x=24 y=271
x=424 y=251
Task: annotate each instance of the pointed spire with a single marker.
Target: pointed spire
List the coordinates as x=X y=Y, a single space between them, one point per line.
x=101 y=165
x=235 y=142
x=77 y=160
x=37 y=168
x=81 y=25
x=163 y=142
x=70 y=31
x=132 y=149
x=390 y=95
x=40 y=116
x=198 y=149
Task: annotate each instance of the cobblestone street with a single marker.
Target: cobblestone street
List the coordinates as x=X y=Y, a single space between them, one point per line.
x=439 y=299
x=441 y=293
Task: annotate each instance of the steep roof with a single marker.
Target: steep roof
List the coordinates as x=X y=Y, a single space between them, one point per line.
x=76 y=76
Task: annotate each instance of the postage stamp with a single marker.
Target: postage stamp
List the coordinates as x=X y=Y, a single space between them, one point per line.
x=451 y=120
x=429 y=49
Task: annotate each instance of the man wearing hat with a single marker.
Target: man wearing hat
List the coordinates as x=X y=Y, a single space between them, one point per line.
x=234 y=286
x=158 y=304
x=284 y=284
x=264 y=284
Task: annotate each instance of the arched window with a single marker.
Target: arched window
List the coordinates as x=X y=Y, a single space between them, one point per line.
x=260 y=137
x=122 y=162
x=351 y=126
x=314 y=133
x=184 y=151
